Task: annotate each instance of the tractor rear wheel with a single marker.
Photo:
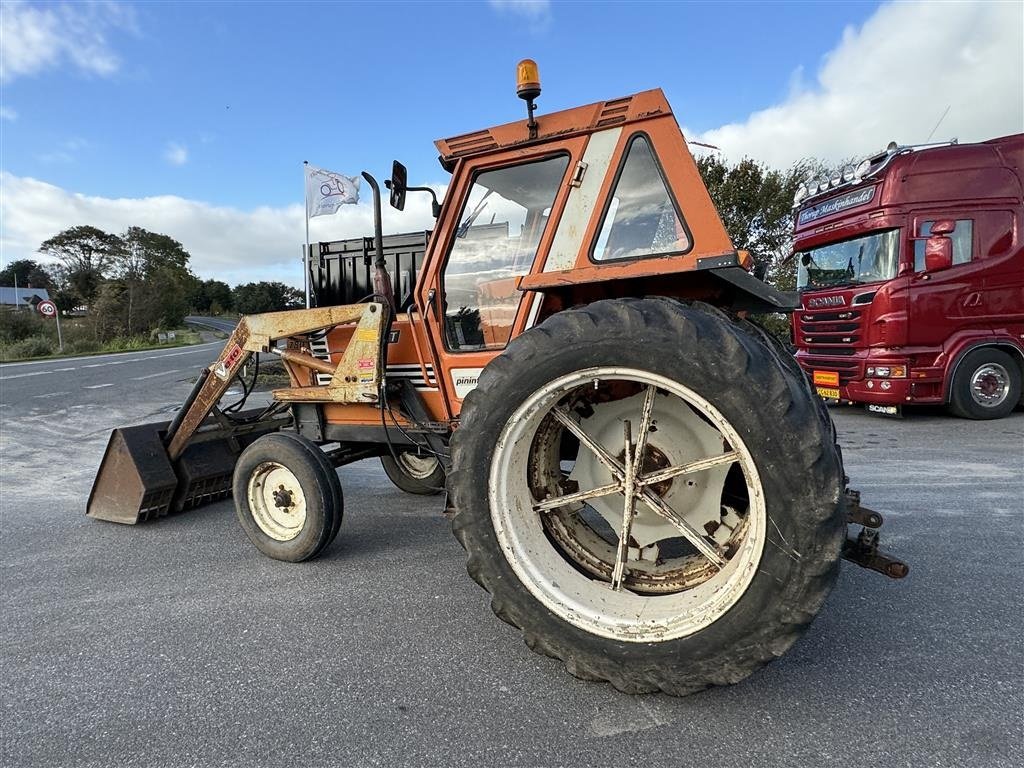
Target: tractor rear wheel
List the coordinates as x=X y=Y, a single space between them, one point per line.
x=288 y=497
x=412 y=473
x=650 y=493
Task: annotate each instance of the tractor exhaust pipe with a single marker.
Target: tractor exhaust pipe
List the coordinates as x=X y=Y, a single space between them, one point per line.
x=382 y=284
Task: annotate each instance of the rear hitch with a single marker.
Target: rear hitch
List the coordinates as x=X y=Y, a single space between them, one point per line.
x=864 y=550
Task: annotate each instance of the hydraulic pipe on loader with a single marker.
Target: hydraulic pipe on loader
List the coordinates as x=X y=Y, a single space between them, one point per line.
x=152 y=469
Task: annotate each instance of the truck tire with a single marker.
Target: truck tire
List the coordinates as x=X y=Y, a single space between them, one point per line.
x=423 y=475
x=758 y=528
x=986 y=385
x=288 y=497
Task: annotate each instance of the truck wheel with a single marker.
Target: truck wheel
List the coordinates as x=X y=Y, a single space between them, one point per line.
x=987 y=385
x=650 y=494
x=422 y=475
x=287 y=497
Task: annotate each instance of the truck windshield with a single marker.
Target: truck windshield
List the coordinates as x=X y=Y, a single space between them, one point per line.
x=866 y=259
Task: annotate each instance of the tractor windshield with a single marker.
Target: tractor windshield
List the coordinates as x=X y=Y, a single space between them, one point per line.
x=502 y=221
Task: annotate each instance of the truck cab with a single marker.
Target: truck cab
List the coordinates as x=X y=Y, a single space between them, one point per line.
x=911 y=279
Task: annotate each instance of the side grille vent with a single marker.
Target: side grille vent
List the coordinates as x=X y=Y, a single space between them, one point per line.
x=614 y=112
x=472 y=142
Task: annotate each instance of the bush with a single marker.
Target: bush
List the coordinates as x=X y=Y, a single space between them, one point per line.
x=81 y=346
x=16 y=325
x=33 y=346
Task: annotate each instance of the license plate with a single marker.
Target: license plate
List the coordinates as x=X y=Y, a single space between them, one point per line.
x=826 y=378
x=828 y=393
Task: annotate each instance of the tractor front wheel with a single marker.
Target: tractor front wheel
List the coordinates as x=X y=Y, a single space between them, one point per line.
x=650 y=493
x=287 y=497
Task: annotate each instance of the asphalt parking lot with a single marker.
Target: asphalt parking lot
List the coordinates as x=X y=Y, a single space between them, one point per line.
x=177 y=644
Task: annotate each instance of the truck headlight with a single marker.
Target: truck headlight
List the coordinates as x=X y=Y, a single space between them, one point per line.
x=888 y=371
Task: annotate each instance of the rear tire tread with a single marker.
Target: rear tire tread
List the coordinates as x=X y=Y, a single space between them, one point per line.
x=738 y=343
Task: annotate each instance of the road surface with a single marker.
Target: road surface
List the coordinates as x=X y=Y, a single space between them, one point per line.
x=177 y=643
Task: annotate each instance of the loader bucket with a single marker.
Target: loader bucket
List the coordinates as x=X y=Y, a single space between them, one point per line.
x=137 y=481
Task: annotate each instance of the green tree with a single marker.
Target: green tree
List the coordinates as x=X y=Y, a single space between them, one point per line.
x=86 y=255
x=108 y=312
x=211 y=296
x=756 y=206
x=253 y=298
x=27 y=272
x=153 y=269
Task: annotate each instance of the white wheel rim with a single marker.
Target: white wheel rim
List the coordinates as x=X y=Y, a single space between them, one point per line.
x=598 y=606
x=276 y=501
x=990 y=385
x=417 y=467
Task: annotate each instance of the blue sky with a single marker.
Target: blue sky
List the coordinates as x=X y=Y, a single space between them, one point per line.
x=249 y=91
x=212 y=107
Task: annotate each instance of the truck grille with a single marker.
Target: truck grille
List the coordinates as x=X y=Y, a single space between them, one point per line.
x=831 y=333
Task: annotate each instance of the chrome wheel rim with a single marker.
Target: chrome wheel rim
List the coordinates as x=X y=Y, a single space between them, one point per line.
x=276 y=501
x=990 y=385
x=654 y=464
x=417 y=467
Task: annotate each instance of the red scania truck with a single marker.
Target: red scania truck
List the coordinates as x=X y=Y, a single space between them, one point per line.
x=911 y=279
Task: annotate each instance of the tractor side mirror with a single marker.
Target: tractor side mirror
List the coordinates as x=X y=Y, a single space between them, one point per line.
x=938 y=249
x=398 y=184
x=805 y=259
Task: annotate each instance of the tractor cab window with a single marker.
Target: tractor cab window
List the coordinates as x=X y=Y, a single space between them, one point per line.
x=642 y=218
x=502 y=222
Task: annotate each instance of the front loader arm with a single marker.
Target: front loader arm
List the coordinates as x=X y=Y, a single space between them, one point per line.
x=355 y=379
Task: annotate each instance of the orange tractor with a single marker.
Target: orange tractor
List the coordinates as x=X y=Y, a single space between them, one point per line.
x=643 y=478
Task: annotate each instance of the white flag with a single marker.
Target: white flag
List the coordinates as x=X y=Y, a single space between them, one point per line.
x=326 y=191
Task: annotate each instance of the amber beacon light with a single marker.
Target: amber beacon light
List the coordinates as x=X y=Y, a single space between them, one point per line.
x=528 y=89
x=527 y=80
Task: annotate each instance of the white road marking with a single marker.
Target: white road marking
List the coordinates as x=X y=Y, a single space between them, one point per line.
x=154 y=375
x=59 y=370
x=23 y=375
x=51 y=394
x=190 y=350
x=97 y=365
x=99 y=386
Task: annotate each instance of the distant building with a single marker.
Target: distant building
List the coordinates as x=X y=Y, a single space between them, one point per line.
x=22 y=297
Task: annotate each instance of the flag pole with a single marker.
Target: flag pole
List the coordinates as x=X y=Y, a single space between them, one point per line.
x=305 y=253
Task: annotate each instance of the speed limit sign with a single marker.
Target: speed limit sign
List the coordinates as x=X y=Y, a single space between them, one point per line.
x=47 y=308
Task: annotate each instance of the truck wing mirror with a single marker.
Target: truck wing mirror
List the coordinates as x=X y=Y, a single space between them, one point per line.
x=943 y=227
x=938 y=252
x=398 y=184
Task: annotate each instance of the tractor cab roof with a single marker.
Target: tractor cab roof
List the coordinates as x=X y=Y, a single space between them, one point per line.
x=569 y=122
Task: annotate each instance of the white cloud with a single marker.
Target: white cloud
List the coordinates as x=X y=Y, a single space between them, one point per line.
x=538 y=12
x=6 y=113
x=226 y=243
x=40 y=37
x=892 y=79
x=65 y=152
x=176 y=154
